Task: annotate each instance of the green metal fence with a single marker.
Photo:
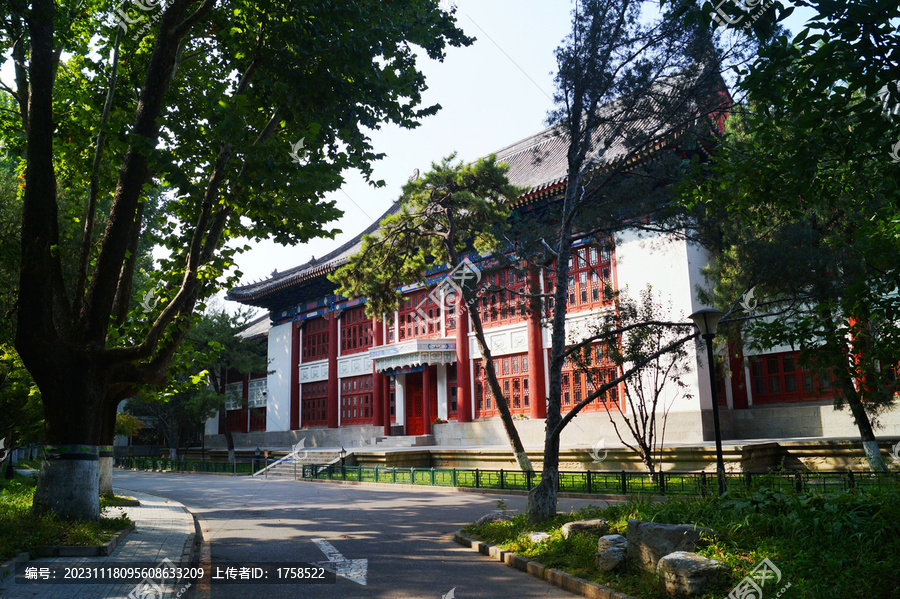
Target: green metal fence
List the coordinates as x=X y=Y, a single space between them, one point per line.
x=606 y=483
x=240 y=466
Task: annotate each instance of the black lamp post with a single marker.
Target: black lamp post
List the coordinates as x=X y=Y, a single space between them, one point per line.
x=706 y=320
x=343 y=455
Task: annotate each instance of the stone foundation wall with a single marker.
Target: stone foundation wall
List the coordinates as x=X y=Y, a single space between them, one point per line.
x=347 y=436
x=820 y=419
x=587 y=429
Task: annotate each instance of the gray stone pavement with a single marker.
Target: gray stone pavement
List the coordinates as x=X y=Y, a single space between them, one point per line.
x=164 y=529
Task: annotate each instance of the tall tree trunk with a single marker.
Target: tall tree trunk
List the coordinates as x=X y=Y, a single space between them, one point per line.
x=851 y=394
x=542 y=499
x=107 y=437
x=229 y=442
x=69 y=480
x=471 y=301
x=509 y=425
x=864 y=424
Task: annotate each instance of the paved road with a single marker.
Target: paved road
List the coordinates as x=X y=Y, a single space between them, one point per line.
x=406 y=536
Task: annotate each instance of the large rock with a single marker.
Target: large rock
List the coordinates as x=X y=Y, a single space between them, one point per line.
x=538 y=537
x=648 y=542
x=686 y=573
x=493 y=517
x=611 y=552
x=596 y=526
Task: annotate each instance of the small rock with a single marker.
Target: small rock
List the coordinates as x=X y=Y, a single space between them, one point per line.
x=611 y=552
x=493 y=517
x=648 y=542
x=607 y=541
x=597 y=526
x=686 y=573
x=538 y=537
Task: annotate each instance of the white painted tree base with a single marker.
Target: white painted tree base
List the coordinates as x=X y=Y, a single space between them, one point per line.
x=873 y=454
x=69 y=488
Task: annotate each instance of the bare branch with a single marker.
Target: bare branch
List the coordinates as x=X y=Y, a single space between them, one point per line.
x=609 y=385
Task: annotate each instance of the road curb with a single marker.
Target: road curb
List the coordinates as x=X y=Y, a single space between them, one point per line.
x=82 y=550
x=558 y=578
x=189 y=550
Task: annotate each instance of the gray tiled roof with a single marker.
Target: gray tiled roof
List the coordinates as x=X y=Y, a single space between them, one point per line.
x=535 y=163
x=309 y=269
x=256 y=328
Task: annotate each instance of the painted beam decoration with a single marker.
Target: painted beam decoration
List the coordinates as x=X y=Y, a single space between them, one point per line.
x=402 y=357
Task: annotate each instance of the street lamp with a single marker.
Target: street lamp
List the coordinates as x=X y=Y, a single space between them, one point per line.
x=343 y=455
x=706 y=320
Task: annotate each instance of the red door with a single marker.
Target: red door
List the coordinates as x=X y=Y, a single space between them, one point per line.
x=415 y=418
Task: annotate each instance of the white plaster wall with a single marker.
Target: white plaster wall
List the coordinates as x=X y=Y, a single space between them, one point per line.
x=399 y=399
x=311 y=372
x=353 y=365
x=278 y=400
x=212 y=425
x=503 y=340
x=673 y=268
x=442 y=392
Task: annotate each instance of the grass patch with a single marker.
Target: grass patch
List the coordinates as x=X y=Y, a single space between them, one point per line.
x=34 y=464
x=845 y=545
x=20 y=530
x=117 y=501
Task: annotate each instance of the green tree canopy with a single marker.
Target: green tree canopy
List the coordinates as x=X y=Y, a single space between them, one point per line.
x=801 y=204
x=244 y=113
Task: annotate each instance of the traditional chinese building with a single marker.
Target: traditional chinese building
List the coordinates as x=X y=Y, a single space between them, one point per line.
x=339 y=378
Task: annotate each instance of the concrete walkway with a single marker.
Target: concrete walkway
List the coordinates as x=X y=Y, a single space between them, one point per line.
x=164 y=530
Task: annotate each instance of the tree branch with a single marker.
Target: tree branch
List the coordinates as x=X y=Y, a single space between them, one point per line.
x=597 y=393
x=88 y=234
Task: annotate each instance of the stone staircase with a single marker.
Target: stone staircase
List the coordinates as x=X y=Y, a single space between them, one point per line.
x=405 y=441
x=288 y=465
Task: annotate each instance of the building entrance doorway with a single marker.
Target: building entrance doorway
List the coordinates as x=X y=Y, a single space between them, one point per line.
x=415 y=414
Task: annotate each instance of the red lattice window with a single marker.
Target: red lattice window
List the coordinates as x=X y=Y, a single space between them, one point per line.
x=579 y=382
x=356 y=400
x=356 y=331
x=315 y=339
x=590 y=278
x=503 y=305
x=314 y=400
x=420 y=316
x=512 y=374
x=452 y=393
x=776 y=378
x=392 y=394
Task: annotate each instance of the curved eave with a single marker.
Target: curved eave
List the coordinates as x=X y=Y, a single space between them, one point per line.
x=261 y=297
